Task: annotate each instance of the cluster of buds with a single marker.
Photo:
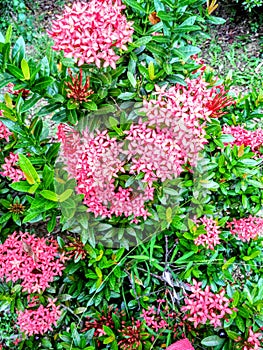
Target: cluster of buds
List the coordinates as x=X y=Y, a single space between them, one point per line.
x=24 y=92
x=76 y=90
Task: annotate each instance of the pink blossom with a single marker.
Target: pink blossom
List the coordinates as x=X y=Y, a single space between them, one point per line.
x=246 y=228
x=204 y=306
x=211 y=238
x=183 y=344
x=33 y=261
x=89 y=32
x=96 y=163
x=254 y=341
x=156 y=148
x=253 y=139
x=40 y=320
x=11 y=169
x=4 y=132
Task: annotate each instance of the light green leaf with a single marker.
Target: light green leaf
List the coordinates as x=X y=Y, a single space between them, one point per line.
x=28 y=170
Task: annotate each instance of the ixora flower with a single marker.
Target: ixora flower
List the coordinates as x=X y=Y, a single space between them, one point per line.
x=246 y=228
x=89 y=32
x=211 y=238
x=4 y=131
x=40 y=320
x=154 y=149
x=33 y=261
x=203 y=306
x=183 y=344
x=253 y=139
x=254 y=340
x=11 y=169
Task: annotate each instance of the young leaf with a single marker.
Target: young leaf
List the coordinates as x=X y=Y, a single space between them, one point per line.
x=28 y=170
x=25 y=69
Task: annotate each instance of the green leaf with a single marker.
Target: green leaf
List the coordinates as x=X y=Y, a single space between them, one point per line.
x=132 y=80
x=49 y=109
x=156 y=49
x=127 y=96
x=213 y=340
x=8 y=34
x=21 y=186
x=30 y=102
x=90 y=105
x=68 y=208
x=65 y=195
x=50 y=195
x=240 y=323
x=252 y=256
x=5 y=217
x=32 y=217
x=18 y=51
x=151 y=70
x=134 y=4
x=142 y=41
x=16 y=72
x=25 y=69
x=235 y=297
x=228 y=263
x=249 y=162
x=165 y=16
x=28 y=170
x=185 y=28
x=42 y=83
x=14 y=127
x=184 y=257
x=216 y=20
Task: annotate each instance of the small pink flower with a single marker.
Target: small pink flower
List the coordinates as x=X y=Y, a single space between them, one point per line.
x=11 y=169
x=246 y=228
x=28 y=259
x=90 y=32
x=4 y=132
x=204 y=306
x=40 y=320
x=254 y=341
x=211 y=238
x=253 y=139
x=183 y=344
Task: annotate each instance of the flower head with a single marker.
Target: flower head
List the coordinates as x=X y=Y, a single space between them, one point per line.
x=211 y=238
x=253 y=342
x=4 y=132
x=40 y=320
x=253 y=139
x=246 y=228
x=11 y=169
x=204 y=306
x=33 y=261
x=183 y=344
x=89 y=32
x=76 y=90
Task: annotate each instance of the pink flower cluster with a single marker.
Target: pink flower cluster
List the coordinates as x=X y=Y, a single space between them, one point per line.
x=11 y=169
x=153 y=317
x=254 y=341
x=26 y=258
x=253 y=139
x=95 y=162
x=183 y=344
x=40 y=320
x=4 y=132
x=89 y=32
x=246 y=228
x=204 y=306
x=211 y=238
x=172 y=135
